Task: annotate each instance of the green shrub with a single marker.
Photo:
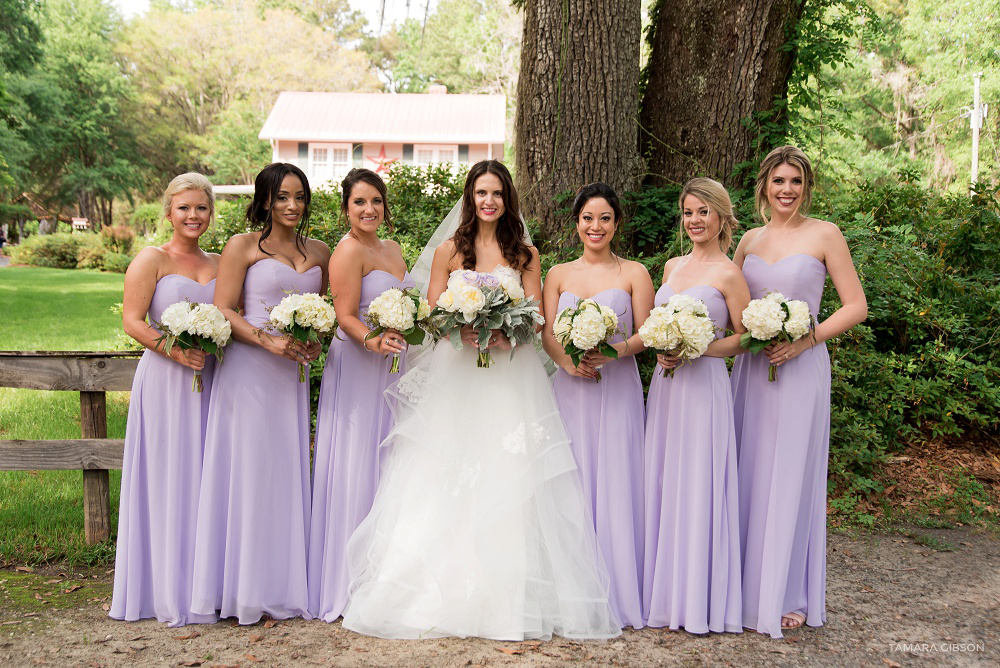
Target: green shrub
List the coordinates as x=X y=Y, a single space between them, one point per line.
x=116 y=262
x=91 y=256
x=58 y=251
x=118 y=238
x=145 y=219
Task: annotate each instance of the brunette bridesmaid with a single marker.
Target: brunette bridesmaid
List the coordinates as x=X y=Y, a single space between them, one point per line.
x=354 y=415
x=692 y=563
x=253 y=523
x=165 y=435
x=783 y=427
x=604 y=419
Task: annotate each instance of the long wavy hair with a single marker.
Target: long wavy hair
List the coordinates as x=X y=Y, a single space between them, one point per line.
x=362 y=175
x=266 y=187
x=510 y=229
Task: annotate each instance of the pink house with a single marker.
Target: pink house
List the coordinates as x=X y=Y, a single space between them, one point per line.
x=326 y=134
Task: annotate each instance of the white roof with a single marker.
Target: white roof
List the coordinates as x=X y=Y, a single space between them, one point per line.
x=417 y=118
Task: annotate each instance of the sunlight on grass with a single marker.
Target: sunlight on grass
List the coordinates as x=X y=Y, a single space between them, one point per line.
x=59 y=309
x=41 y=512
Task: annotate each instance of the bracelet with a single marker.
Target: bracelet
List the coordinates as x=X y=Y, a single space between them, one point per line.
x=365 y=344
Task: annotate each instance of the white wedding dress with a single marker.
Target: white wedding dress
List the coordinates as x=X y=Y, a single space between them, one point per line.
x=479 y=526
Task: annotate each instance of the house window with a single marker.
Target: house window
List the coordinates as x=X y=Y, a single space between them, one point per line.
x=427 y=154
x=328 y=162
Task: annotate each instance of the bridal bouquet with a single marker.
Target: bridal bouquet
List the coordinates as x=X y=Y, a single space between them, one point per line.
x=304 y=317
x=585 y=327
x=191 y=325
x=402 y=310
x=681 y=327
x=771 y=319
x=486 y=301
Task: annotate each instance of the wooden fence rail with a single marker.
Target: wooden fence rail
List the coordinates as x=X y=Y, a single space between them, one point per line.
x=91 y=374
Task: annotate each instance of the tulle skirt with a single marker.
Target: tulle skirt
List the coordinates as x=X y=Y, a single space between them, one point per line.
x=479 y=525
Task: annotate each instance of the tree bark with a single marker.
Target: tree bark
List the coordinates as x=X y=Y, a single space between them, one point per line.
x=713 y=64
x=577 y=102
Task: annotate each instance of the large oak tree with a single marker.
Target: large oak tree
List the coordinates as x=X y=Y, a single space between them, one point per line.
x=577 y=99
x=713 y=64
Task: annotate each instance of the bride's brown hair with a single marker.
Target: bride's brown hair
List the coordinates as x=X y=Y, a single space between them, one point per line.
x=510 y=229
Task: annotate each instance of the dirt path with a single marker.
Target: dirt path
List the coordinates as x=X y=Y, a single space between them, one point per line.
x=892 y=600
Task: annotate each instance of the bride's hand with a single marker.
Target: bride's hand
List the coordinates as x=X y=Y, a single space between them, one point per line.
x=499 y=340
x=470 y=337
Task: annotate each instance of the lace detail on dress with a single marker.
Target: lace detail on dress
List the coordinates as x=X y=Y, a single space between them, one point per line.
x=413 y=386
x=466 y=478
x=517 y=441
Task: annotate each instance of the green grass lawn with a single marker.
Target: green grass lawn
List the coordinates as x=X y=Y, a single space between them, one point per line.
x=41 y=512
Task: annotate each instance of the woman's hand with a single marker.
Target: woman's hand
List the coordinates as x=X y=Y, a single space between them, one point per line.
x=390 y=342
x=499 y=340
x=584 y=370
x=595 y=359
x=779 y=353
x=470 y=337
x=668 y=361
x=290 y=348
x=193 y=358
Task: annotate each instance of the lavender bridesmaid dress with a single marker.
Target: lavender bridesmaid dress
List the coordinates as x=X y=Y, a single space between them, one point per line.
x=161 y=475
x=354 y=418
x=783 y=435
x=251 y=544
x=692 y=567
x=604 y=422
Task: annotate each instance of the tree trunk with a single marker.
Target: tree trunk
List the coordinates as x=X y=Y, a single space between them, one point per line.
x=577 y=101
x=713 y=64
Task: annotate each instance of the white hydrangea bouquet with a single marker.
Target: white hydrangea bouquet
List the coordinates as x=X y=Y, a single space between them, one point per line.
x=681 y=327
x=193 y=325
x=487 y=301
x=774 y=318
x=402 y=310
x=304 y=317
x=585 y=327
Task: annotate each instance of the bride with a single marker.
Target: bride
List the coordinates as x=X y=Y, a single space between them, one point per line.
x=479 y=526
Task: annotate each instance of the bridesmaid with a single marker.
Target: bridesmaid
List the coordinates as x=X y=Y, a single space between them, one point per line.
x=604 y=419
x=165 y=436
x=251 y=544
x=354 y=416
x=783 y=428
x=692 y=565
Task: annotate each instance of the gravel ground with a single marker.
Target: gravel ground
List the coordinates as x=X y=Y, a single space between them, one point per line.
x=914 y=598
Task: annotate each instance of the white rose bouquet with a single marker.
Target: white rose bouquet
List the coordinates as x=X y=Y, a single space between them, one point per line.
x=487 y=301
x=402 y=310
x=304 y=317
x=771 y=319
x=585 y=327
x=191 y=325
x=681 y=327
